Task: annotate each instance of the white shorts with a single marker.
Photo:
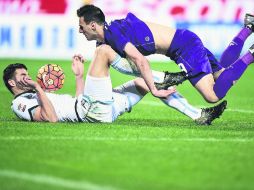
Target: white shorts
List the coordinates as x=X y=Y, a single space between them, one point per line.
x=97 y=100
x=120 y=105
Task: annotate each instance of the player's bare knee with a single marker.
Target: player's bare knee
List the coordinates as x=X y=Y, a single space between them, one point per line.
x=211 y=99
x=102 y=49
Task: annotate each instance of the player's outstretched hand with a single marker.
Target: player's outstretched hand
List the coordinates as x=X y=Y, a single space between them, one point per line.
x=164 y=93
x=78 y=65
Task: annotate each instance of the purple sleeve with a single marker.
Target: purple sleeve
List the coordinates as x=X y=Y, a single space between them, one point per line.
x=117 y=40
x=121 y=42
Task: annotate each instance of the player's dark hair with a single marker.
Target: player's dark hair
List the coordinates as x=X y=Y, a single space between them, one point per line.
x=9 y=71
x=91 y=13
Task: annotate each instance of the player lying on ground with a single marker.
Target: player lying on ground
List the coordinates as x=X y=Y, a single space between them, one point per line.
x=132 y=38
x=94 y=102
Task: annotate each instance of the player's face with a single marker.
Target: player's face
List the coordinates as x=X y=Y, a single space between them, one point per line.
x=19 y=75
x=87 y=29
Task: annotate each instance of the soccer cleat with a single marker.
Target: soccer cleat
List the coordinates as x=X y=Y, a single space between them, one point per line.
x=209 y=114
x=171 y=79
x=249 y=22
x=251 y=49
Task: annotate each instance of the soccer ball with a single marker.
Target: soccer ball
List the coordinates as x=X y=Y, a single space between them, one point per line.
x=50 y=77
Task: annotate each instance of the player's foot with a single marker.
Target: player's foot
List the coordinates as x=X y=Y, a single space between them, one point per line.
x=251 y=49
x=209 y=114
x=171 y=79
x=249 y=22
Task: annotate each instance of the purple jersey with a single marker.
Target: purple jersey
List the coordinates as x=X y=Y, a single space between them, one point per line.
x=186 y=49
x=131 y=29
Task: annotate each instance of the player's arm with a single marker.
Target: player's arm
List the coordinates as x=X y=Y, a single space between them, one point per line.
x=141 y=62
x=45 y=111
x=78 y=70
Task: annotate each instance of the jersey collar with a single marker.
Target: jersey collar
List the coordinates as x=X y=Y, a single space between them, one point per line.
x=29 y=91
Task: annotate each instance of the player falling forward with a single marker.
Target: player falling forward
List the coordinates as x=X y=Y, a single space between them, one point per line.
x=211 y=78
x=95 y=100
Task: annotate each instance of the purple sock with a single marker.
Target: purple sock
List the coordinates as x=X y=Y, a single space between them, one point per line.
x=248 y=58
x=244 y=33
x=228 y=77
x=232 y=53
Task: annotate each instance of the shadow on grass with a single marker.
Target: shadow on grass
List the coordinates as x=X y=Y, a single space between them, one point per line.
x=137 y=123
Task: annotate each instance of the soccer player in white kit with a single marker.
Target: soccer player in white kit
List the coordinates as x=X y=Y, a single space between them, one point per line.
x=95 y=100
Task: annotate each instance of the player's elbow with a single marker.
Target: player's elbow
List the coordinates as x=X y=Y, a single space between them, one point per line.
x=53 y=120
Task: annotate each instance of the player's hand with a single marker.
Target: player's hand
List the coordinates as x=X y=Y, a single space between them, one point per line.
x=164 y=93
x=78 y=65
x=27 y=83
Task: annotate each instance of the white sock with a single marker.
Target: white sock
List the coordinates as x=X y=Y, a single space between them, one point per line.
x=158 y=76
x=126 y=66
x=129 y=89
x=181 y=104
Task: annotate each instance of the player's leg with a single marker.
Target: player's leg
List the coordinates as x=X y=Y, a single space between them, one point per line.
x=204 y=83
x=215 y=91
x=98 y=75
x=136 y=89
x=232 y=52
x=97 y=97
x=233 y=73
x=162 y=80
x=175 y=101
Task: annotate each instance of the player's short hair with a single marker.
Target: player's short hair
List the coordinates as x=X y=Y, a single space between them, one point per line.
x=9 y=71
x=91 y=13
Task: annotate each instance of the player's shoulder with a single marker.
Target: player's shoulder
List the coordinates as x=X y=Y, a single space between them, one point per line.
x=21 y=101
x=24 y=104
x=25 y=95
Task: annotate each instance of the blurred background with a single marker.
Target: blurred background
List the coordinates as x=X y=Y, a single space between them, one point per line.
x=46 y=29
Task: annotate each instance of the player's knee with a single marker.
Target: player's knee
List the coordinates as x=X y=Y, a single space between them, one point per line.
x=211 y=99
x=102 y=49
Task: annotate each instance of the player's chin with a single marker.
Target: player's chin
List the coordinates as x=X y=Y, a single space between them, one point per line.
x=89 y=38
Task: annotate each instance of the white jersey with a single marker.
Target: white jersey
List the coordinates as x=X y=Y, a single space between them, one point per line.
x=65 y=106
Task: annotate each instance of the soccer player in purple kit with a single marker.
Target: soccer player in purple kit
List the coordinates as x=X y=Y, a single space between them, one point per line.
x=133 y=39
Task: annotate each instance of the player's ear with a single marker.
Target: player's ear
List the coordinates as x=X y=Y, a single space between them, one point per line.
x=11 y=82
x=93 y=25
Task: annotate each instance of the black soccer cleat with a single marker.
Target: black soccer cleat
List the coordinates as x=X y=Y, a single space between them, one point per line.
x=209 y=114
x=249 y=22
x=171 y=79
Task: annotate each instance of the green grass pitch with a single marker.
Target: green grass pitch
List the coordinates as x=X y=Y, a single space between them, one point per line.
x=153 y=147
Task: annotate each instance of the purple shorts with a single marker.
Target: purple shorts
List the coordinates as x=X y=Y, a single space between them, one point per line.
x=188 y=51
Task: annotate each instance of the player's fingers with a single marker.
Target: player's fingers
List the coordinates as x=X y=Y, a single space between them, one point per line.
x=171 y=91
x=22 y=81
x=81 y=58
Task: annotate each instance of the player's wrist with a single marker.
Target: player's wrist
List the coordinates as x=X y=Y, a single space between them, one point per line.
x=37 y=87
x=78 y=77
